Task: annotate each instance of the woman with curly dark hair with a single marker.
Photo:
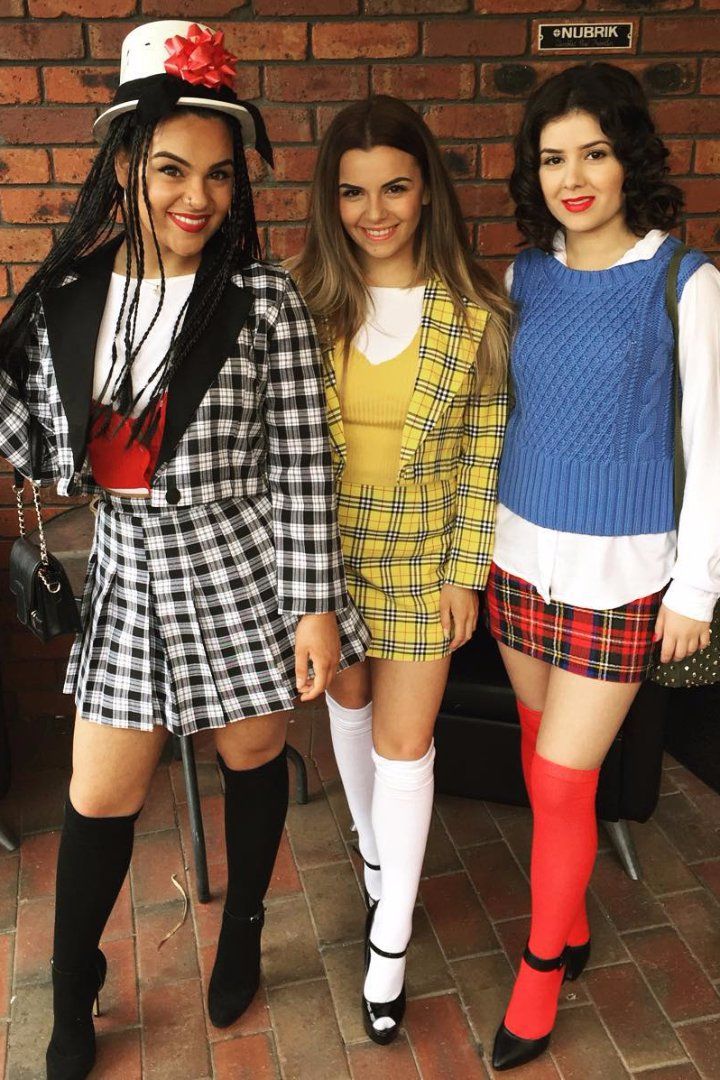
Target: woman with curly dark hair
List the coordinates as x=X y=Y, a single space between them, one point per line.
x=593 y=577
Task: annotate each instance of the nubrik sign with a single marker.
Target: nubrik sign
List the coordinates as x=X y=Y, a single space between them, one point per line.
x=585 y=36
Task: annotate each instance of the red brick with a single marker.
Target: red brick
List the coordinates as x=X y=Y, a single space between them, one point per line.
x=80 y=85
x=707 y=156
x=120 y=923
x=316 y=82
x=516 y=79
x=266 y=40
x=11 y=8
x=156 y=858
x=294 y=162
x=696 y=917
x=24 y=245
x=285 y=879
x=37 y=41
x=442 y=1040
x=631 y=1015
x=106 y=37
x=684 y=1071
x=174 y=1031
x=119 y=1055
x=496 y=161
x=461 y=161
x=693 y=116
x=456 y=914
x=414 y=7
x=523 y=7
x=37 y=206
x=176 y=959
x=9 y=870
x=21 y=274
x=306 y=7
x=353 y=40
x=119 y=996
x=105 y=9
x=282 y=204
x=485 y=200
x=7 y=941
x=285 y=241
x=703 y=233
x=621 y=5
x=33 y=946
x=709 y=872
x=578 y=53
x=23 y=166
x=678 y=983
x=498 y=880
x=4 y=281
x=702 y=197
x=702 y=1041
x=71 y=165
x=158 y=812
x=46 y=125
x=38 y=858
x=686 y=33
x=473 y=121
x=195 y=10
x=582 y=1048
x=475 y=37
x=710 y=78
x=679 y=165
x=424 y=82
x=248 y=1058
x=19 y=85
x=497 y=238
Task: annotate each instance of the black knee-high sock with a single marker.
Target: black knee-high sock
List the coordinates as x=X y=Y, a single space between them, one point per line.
x=93 y=860
x=256 y=802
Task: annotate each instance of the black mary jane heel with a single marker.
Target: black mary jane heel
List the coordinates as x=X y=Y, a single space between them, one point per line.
x=509 y=1050
x=372 y=1010
x=576 y=958
x=76 y=997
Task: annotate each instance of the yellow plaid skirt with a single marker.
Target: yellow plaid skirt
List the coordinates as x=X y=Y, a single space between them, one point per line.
x=395 y=543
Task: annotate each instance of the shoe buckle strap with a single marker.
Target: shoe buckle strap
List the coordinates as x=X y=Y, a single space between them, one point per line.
x=537 y=963
x=389 y=955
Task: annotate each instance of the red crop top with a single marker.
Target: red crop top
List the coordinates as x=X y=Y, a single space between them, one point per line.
x=114 y=463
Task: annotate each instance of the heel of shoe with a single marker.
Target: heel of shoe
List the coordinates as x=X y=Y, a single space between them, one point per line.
x=576 y=958
x=373 y=1010
x=76 y=996
x=234 y=985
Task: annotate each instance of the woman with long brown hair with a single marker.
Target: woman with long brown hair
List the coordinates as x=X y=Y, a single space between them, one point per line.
x=415 y=340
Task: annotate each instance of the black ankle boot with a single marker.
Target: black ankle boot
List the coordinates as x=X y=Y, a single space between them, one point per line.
x=576 y=958
x=71 y=1052
x=511 y=1050
x=373 y=1010
x=236 y=974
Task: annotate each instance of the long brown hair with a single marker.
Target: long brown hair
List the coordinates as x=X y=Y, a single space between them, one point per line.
x=328 y=272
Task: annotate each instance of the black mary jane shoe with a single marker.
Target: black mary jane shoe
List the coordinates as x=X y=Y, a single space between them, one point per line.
x=510 y=1050
x=76 y=994
x=236 y=973
x=373 y=1010
x=576 y=958
x=370 y=902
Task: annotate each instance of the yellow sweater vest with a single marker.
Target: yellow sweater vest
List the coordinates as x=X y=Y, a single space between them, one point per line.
x=375 y=399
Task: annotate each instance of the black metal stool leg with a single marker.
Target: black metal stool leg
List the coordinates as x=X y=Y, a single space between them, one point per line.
x=622 y=841
x=195 y=814
x=301 y=780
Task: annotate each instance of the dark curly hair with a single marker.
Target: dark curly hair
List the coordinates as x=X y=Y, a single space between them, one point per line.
x=617 y=100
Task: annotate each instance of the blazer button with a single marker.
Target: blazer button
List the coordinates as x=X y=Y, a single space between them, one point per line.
x=173 y=495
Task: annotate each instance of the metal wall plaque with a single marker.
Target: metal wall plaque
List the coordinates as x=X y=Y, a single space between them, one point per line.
x=582 y=36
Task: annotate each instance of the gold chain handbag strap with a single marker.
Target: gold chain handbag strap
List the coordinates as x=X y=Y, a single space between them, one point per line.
x=50 y=584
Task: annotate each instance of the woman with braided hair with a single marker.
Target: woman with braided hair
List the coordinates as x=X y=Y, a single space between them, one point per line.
x=172 y=375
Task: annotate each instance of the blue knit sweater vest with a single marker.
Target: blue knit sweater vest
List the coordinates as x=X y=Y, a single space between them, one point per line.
x=589 y=445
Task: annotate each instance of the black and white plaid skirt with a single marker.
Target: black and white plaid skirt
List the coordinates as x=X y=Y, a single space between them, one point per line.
x=180 y=619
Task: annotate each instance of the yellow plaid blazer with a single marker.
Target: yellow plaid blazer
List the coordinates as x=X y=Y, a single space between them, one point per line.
x=451 y=432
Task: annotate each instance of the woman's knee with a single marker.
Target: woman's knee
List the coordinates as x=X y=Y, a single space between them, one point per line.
x=402 y=747
x=93 y=801
x=252 y=743
x=352 y=687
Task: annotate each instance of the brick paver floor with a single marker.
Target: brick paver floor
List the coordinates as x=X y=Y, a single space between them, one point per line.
x=648 y=1006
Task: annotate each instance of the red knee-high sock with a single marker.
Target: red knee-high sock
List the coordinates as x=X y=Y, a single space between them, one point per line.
x=529 y=726
x=563 y=852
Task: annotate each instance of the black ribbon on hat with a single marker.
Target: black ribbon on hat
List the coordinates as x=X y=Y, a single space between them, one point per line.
x=158 y=95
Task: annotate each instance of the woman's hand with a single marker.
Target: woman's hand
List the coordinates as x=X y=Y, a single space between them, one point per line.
x=458 y=613
x=317 y=642
x=680 y=636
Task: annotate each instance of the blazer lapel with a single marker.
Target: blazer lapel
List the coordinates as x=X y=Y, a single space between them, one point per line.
x=73 y=314
x=447 y=353
x=201 y=365
x=334 y=412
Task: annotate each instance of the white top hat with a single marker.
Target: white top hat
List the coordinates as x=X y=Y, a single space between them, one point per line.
x=180 y=50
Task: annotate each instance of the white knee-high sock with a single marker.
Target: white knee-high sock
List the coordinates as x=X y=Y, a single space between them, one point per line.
x=402 y=806
x=351 y=731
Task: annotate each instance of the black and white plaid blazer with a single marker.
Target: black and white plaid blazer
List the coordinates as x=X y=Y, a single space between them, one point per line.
x=245 y=415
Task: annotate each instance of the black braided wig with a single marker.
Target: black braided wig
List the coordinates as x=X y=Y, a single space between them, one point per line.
x=101 y=204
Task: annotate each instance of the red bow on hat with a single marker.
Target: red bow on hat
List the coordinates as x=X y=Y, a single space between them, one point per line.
x=200 y=58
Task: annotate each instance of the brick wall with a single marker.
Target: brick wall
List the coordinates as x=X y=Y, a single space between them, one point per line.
x=467 y=64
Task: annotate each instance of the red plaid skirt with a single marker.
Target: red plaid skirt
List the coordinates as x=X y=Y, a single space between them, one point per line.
x=615 y=645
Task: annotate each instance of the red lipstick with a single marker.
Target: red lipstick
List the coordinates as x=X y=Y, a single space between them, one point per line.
x=189 y=222
x=576 y=206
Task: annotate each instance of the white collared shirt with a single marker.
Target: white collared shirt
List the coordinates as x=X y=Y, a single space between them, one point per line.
x=609 y=571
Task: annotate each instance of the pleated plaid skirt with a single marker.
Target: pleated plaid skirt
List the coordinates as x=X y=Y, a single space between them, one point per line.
x=180 y=620
x=615 y=645
x=395 y=542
